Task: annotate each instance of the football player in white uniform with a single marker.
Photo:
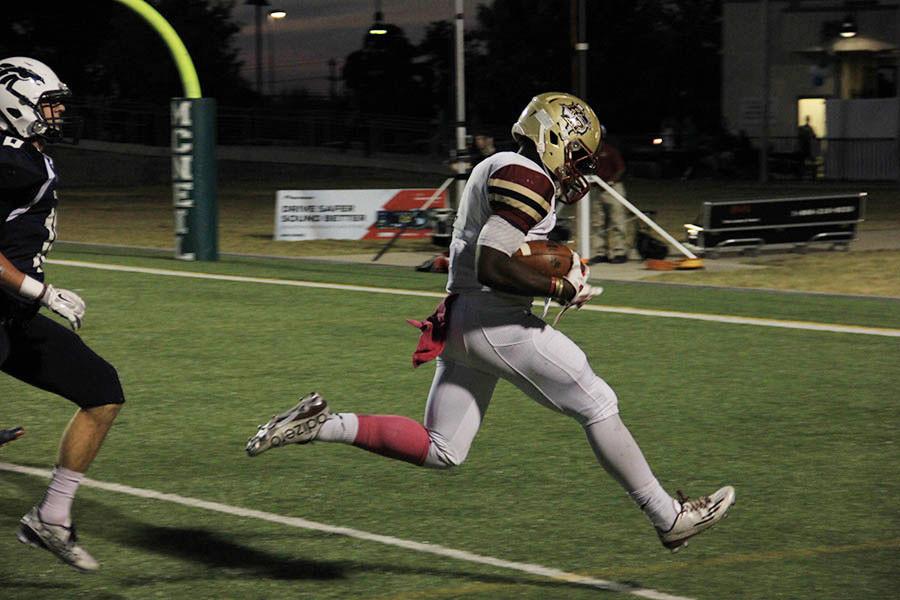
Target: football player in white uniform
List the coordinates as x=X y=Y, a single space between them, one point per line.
x=485 y=330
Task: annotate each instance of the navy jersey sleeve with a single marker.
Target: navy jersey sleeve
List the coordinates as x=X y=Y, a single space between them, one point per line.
x=520 y=195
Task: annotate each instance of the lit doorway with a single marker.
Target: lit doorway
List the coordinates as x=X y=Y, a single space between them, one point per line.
x=814 y=108
x=812 y=145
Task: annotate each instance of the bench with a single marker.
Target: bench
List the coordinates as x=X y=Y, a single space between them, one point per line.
x=751 y=224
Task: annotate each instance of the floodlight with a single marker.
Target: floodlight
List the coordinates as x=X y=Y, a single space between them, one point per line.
x=277 y=14
x=378 y=27
x=848 y=27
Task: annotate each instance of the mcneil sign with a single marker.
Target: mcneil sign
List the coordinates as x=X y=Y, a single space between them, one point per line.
x=194 y=178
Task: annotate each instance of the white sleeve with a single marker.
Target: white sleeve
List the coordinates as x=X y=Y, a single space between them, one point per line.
x=500 y=234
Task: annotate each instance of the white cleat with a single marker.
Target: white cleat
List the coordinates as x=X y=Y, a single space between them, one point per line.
x=61 y=541
x=299 y=425
x=696 y=516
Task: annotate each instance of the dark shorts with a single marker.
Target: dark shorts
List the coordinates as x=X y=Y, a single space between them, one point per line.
x=43 y=353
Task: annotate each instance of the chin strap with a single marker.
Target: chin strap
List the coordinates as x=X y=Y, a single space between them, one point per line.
x=560 y=314
x=547 y=301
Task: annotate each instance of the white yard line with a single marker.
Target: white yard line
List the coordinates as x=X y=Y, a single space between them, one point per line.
x=299 y=523
x=805 y=325
x=808 y=325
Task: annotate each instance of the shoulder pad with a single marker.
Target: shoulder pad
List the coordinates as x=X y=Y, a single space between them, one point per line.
x=520 y=195
x=21 y=164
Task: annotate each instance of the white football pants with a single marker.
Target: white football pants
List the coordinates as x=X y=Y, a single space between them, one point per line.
x=490 y=339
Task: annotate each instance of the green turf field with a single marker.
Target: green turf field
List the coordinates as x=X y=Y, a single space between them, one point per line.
x=802 y=423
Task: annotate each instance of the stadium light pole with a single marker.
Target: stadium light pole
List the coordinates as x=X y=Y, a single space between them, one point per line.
x=273 y=17
x=258 y=4
x=462 y=156
x=581 y=50
x=764 y=125
x=378 y=27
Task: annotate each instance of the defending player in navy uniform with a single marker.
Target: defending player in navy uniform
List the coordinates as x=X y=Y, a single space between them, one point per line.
x=485 y=330
x=33 y=347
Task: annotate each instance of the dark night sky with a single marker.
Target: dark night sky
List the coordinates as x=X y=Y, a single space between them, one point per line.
x=317 y=30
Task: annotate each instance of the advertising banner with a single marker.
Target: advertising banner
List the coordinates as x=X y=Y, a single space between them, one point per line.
x=352 y=214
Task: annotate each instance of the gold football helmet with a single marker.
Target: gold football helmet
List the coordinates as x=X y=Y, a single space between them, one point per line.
x=567 y=136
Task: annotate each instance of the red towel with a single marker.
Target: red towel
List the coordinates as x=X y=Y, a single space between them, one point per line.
x=434 y=332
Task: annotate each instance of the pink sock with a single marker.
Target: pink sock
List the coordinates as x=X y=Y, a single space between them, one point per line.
x=394 y=437
x=57 y=502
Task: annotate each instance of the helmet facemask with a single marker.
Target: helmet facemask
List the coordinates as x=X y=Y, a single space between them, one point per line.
x=572 y=174
x=52 y=125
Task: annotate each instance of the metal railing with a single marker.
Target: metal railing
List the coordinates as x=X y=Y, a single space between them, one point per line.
x=148 y=124
x=857 y=158
x=829 y=158
x=333 y=126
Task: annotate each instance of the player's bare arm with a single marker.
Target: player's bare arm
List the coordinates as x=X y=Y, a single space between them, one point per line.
x=499 y=271
x=10 y=277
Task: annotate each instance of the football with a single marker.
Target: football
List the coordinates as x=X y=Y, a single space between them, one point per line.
x=550 y=258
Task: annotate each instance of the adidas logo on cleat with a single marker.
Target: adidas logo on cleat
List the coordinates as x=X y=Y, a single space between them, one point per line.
x=299 y=425
x=299 y=431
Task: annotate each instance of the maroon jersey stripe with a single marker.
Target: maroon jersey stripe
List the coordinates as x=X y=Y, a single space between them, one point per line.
x=535 y=181
x=515 y=217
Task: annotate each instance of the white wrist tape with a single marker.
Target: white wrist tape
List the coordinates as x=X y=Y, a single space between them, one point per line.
x=31 y=288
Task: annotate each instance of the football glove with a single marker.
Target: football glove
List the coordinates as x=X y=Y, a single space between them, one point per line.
x=8 y=435
x=578 y=277
x=65 y=303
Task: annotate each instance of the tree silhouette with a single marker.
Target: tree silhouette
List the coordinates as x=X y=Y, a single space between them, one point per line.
x=103 y=48
x=436 y=58
x=520 y=49
x=382 y=77
x=648 y=59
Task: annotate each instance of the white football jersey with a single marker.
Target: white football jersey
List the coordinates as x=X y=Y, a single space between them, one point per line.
x=512 y=187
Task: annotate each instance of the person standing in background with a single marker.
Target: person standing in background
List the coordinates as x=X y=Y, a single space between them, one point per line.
x=608 y=220
x=806 y=139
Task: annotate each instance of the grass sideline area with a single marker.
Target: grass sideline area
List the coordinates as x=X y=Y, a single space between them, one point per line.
x=800 y=422
x=142 y=217
x=873 y=272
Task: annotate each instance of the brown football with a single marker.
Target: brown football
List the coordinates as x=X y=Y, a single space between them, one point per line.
x=550 y=258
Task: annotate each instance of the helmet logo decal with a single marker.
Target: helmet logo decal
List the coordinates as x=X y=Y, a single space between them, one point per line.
x=575 y=119
x=10 y=74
